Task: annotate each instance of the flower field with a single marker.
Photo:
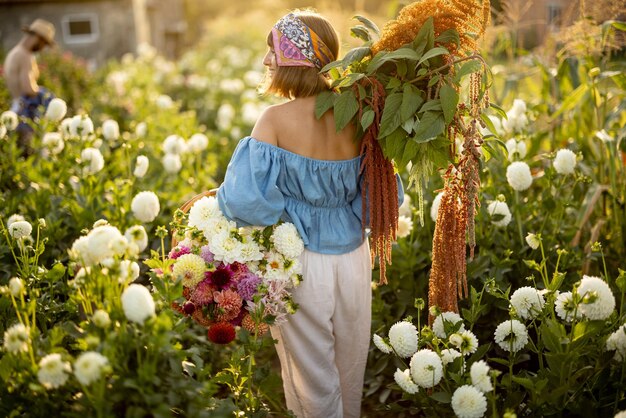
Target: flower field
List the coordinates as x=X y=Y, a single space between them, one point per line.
x=90 y=283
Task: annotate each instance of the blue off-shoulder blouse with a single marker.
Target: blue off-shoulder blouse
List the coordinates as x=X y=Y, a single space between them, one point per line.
x=322 y=198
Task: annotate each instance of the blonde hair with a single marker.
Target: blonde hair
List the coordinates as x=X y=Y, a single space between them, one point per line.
x=292 y=82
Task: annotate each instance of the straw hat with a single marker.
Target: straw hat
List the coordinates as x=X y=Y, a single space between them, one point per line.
x=43 y=29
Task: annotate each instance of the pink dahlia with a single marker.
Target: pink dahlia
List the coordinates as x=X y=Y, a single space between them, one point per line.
x=228 y=304
x=178 y=251
x=238 y=270
x=203 y=293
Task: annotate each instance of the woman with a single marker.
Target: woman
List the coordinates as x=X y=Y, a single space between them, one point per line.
x=297 y=168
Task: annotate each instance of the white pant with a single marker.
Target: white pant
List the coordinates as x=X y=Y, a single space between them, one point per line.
x=323 y=347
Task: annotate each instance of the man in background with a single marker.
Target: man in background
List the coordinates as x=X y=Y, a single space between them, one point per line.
x=21 y=73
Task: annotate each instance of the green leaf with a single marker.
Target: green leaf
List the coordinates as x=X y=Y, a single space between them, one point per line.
x=449 y=101
x=390 y=119
x=442 y=397
x=572 y=99
x=403 y=53
x=331 y=65
x=525 y=382
x=425 y=38
x=587 y=329
x=431 y=125
x=325 y=100
x=552 y=334
x=360 y=32
x=469 y=67
x=431 y=105
x=368 y=24
x=411 y=101
x=367 y=118
x=376 y=62
x=56 y=272
x=346 y=107
x=618 y=25
x=394 y=144
x=349 y=80
x=434 y=52
x=356 y=55
x=411 y=149
x=449 y=36
x=489 y=123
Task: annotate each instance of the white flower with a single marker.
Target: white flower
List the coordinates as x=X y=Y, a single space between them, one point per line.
x=226 y=248
x=101 y=318
x=174 y=144
x=449 y=355
x=16 y=286
x=190 y=268
x=439 y=325
x=617 y=342
x=497 y=124
x=164 y=101
x=80 y=251
x=53 y=371
x=533 y=240
x=102 y=242
x=434 y=209
x=137 y=235
x=515 y=148
x=145 y=206
x=405 y=226
x=250 y=251
x=527 y=301
x=403 y=379
x=128 y=271
x=381 y=344
x=469 y=342
x=17 y=339
x=426 y=368
x=9 y=119
x=233 y=85
x=92 y=159
x=20 y=229
x=3 y=131
x=468 y=402
x=198 y=143
x=598 y=301
x=54 y=142
x=225 y=115
x=406 y=209
x=81 y=126
x=14 y=218
x=564 y=307
x=141 y=129
x=564 y=162
x=141 y=166
x=403 y=338
x=499 y=212
x=110 y=130
x=456 y=340
x=146 y=51
x=65 y=126
x=287 y=241
x=57 y=108
x=479 y=372
x=511 y=335
x=518 y=175
x=604 y=137
x=138 y=303
x=89 y=366
x=203 y=211
x=172 y=163
x=516 y=117
x=621 y=414
x=253 y=78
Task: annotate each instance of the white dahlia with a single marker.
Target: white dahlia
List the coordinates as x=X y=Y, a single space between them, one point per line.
x=101 y=319
x=511 y=335
x=381 y=344
x=137 y=235
x=14 y=218
x=469 y=342
x=598 y=301
x=17 y=339
x=203 y=211
x=287 y=241
x=528 y=302
x=518 y=175
x=57 y=108
x=141 y=129
x=138 y=303
x=442 y=319
x=515 y=149
x=92 y=160
x=20 y=229
x=533 y=240
x=110 y=130
x=226 y=248
x=9 y=119
x=499 y=212
x=54 y=142
x=405 y=226
x=403 y=379
x=81 y=126
x=16 y=286
x=406 y=209
x=174 y=144
x=617 y=342
x=565 y=307
x=403 y=338
x=564 y=162
x=449 y=355
x=434 y=209
x=141 y=166
x=53 y=371
x=198 y=143
x=104 y=242
x=469 y=402
x=89 y=366
x=145 y=206
x=426 y=368
x=479 y=372
x=172 y=163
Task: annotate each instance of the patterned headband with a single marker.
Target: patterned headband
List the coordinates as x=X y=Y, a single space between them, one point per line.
x=296 y=45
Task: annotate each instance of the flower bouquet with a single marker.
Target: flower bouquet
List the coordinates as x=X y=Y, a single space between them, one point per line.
x=234 y=276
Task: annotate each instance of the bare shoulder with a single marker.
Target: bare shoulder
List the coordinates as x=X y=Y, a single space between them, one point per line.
x=265 y=129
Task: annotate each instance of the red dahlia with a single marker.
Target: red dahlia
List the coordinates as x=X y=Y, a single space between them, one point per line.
x=221 y=333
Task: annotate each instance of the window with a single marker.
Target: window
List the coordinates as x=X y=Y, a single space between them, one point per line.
x=80 y=28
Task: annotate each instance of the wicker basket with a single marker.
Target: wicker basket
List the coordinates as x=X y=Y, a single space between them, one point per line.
x=188 y=204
